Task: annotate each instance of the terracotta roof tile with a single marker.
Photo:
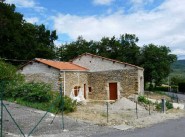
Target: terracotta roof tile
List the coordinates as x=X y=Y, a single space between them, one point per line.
x=61 y=65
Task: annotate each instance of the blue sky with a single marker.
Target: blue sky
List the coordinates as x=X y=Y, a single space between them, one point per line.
x=160 y=22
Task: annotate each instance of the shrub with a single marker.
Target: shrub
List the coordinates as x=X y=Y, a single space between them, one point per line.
x=144 y=100
x=168 y=105
x=161 y=88
x=8 y=73
x=31 y=92
x=69 y=104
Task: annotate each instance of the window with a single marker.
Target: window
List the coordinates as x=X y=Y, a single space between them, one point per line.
x=76 y=90
x=90 y=89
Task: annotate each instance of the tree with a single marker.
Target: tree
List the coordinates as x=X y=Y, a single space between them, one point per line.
x=9 y=72
x=156 y=61
x=22 y=40
x=176 y=79
x=129 y=51
x=73 y=49
x=123 y=49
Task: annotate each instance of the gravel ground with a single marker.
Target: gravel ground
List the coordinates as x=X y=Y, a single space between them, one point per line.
x=88 y=120
x=28 y=117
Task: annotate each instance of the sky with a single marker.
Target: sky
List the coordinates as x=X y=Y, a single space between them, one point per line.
x=161 y=22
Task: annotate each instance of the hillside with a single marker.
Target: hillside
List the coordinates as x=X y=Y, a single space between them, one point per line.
x=178 y=68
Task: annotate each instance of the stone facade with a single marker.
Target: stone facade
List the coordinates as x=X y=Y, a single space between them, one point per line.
x=100 y=64
x=95 y=81
x=72 y=79
x=127 y=83
x=39 y=72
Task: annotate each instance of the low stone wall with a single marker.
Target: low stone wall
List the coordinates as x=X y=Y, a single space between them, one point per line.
x=127 y=83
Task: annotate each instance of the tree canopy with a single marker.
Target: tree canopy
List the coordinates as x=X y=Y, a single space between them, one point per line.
x=156 y=61
x=123 y=48
x=22 y=40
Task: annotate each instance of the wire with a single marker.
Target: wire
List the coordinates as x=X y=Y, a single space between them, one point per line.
x=16 y=60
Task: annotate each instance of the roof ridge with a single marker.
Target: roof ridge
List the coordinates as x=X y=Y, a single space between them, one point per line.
x=86 y=53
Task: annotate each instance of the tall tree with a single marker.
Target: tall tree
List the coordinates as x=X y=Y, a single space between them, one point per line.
x=73 y=49
x=156 y=61
x=22 y=40
x=129 y=51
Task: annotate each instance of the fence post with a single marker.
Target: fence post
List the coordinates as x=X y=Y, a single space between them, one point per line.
x=1 y=88
x=136 y=110
x=177 y=98
x=149 y=108
x=163 y=105
x=107 y=111
x=61 y=94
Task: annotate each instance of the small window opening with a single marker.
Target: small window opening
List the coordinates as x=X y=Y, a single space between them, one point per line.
x=90 y=89
x=76 y=90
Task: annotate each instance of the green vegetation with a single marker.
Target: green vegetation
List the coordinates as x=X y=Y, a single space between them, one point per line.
x=35 y=95
x=31 y=92
x=69 y=104
x=25 y=41
x=144 y=100
x=22 y=40
x=178 y=72
x=8 y=73
x=54 y=105
x=168 y=105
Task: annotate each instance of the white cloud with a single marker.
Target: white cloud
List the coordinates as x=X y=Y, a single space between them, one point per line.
x=32 y=20
x=179 y=52
x=163 y=25
x=26 y=4
x=102 y=2
x=139 y=4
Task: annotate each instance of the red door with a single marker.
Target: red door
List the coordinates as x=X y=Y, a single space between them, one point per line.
x=113 y=91
x=85 y=91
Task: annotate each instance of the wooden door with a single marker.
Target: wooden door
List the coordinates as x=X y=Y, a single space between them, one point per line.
x=113 y=91
x=85 y=91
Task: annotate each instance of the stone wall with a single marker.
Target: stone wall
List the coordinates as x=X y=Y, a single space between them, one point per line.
x=75 y=78
x=94 y=64
x=39 y=72
x=127 y=83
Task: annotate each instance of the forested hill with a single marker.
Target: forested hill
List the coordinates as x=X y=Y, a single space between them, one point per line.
x=178 y=68
x=179 y=64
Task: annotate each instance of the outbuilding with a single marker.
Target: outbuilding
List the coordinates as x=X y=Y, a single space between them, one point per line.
x=92 y=76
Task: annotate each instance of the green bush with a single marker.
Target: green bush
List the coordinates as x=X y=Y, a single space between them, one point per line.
x=161 y=88
x=168 y=104
x=69 y=104
x=31 y=92
x=144 y=100
x=9 y=73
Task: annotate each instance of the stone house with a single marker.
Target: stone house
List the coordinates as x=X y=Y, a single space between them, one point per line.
x=98 y=78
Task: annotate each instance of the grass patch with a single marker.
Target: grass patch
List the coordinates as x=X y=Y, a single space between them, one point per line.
x=53 y=106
